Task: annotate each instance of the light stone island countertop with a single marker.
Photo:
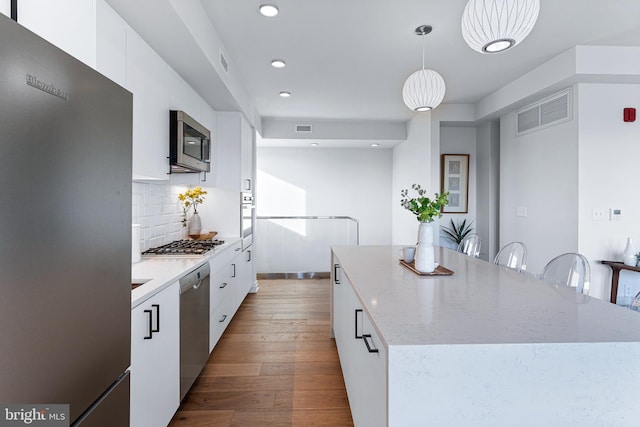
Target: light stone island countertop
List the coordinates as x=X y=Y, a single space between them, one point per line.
x=479 y=304
x=492 y=347
x=159 y=272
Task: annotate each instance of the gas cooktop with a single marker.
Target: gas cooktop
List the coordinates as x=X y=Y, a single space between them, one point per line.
x=185 y=247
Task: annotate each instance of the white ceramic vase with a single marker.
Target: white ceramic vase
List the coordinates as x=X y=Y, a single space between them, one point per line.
x=425 y=253
x=629 y=255
x=195 y=225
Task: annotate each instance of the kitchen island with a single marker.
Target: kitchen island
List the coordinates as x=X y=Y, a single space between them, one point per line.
x=486 y=346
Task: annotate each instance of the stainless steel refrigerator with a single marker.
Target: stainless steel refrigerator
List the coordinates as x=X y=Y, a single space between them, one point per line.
x=65 y=232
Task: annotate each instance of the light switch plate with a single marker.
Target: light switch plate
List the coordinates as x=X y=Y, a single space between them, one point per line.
x=521 y=211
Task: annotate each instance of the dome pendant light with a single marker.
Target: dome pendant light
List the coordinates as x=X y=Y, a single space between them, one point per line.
x=424 y=89
x=491 y=26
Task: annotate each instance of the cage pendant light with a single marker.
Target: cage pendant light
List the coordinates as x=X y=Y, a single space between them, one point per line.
x=491 y=26
x=424 y=89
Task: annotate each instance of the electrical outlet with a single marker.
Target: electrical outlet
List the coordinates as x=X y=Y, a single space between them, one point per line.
x=627 y=291
x=598 y=214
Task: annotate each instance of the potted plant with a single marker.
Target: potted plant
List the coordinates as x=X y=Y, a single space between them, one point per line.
x=457 y=232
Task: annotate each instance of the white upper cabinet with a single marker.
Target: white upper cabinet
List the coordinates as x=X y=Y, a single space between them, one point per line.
x=68 y=24
x=94 y=33
x=148 y=78
x=111 y=44
x=124 y=57
x=235 y=148
x=5 y=7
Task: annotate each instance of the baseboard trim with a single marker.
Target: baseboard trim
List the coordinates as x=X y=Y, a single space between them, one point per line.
x=298 y=275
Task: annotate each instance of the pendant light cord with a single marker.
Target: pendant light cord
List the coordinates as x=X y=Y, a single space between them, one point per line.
x=423 y=43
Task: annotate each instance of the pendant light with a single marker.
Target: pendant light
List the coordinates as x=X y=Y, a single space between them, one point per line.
x=424 y=89
x=491 y=26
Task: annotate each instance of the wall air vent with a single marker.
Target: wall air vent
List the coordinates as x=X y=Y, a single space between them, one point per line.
x=223 y=62
x=303 y=128
x=549 y=111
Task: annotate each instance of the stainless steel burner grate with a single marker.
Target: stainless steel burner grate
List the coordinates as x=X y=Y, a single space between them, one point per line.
x=184 y=247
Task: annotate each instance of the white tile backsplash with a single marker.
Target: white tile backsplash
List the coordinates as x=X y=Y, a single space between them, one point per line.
x=156 y=208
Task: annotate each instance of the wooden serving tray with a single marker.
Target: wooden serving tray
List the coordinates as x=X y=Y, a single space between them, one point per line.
x=207 y=236
x=439 y=271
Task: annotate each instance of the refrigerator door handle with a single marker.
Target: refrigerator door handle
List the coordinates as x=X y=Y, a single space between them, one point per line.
x=150 y=322
x=157 y=328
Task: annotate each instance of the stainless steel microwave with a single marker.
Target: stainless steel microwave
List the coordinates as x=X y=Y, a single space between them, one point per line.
x=190 y=144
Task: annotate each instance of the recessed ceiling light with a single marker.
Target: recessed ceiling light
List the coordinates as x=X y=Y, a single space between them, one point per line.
x=314 y=144
x=278 y=63
x=375 y=144
x=285 y=94
x=268 y=10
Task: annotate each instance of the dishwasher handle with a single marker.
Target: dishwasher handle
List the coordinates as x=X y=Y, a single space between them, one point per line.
x=194 y=278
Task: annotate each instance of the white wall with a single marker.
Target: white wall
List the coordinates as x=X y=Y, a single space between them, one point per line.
x=412 y=164
x=319 y=182
x=488 y=187
x=608 y=177
x=461 y=140
x=539 y=173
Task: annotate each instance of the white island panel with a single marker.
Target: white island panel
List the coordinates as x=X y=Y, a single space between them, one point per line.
x=552 y=385
x=488 y=346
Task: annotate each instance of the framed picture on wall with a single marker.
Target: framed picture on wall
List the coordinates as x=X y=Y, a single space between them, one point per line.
x=455 y=180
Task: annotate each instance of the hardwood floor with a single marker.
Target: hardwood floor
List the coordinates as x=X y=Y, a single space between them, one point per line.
x=275 y=365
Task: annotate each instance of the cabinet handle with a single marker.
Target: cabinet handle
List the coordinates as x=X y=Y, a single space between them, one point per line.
x=358 y=310
x=335 y=274
x=157 y=307
x=223 y=318
x=248 y=184
x=234 y=270
x=150 y=322
x=248 y=256
x=370 y=348
x=224 y=285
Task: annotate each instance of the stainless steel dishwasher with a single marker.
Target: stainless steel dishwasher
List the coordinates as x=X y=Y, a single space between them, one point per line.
x=194 y=325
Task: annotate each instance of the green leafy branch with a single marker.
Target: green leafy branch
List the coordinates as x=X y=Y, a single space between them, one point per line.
x=424 y=208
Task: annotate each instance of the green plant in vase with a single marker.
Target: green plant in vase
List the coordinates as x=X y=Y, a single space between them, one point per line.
x=424 y=208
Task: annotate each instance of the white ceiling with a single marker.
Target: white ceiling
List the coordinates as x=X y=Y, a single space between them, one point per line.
x=348 y=59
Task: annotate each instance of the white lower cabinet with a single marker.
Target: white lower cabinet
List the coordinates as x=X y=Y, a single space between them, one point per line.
x=229 y=286
x=244 y=270
x=155 y=359
x=222 y=303
x=362 y=355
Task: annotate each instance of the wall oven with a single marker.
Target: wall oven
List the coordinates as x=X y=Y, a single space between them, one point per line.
x=247 y=209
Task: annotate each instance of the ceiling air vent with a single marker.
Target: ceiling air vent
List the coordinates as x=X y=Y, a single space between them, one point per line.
x=303 y=128
x=550 y=111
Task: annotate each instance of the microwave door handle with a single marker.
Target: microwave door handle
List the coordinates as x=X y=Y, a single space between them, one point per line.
x=206 y=150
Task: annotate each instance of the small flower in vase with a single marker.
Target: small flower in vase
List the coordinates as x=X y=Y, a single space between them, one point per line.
x=191 y=197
